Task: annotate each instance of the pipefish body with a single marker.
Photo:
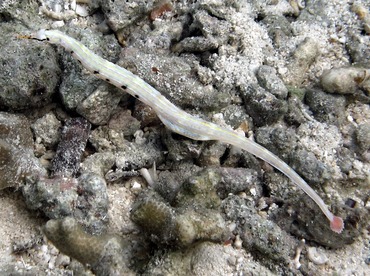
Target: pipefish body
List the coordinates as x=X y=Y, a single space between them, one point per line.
x=175 y=118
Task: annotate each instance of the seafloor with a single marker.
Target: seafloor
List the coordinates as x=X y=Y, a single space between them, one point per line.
x=92 y=182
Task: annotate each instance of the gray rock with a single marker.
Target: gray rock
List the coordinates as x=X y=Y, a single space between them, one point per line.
x=123 y=121
x=279 y=188
x=92 y=202
x=100 y=104
x=126 y=156
x=99 y=163
x=211 y=154
x=122 y=13
x=215 y=33
x=296 y=114
x=218 y=8
x=359 y=49
x=302 y=209
x=261 y=105
x=236 y=180
x=47 y=130
x=29 y=73
x=55 y=197
x=18 y=21
x=279 y=140
x=363 y=137
x=182 y=149
x=268 y=79
x=16 y=151
x=326 y=107
x=315 y=11
x=67 y=159
x=261 y=236
x=103 y=138
x=176 y=79
x=278 y=28
x=345 y=160
x=205 y=258
x=235 y=115
x=309 y=167
x=84 y=198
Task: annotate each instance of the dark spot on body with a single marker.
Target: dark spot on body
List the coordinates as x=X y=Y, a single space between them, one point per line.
x=72 y=52
x=79 y=61
x=96 y=72
x=48 y=39
x=124 y=87
x=107 y=80
x=136 y=96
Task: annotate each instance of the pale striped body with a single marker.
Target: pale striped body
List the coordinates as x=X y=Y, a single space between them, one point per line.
x=173 y=117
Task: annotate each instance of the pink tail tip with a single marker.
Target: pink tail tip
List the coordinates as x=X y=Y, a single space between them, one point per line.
x=337 y=224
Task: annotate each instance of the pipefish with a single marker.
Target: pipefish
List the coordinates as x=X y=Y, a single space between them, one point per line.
x=176 y=119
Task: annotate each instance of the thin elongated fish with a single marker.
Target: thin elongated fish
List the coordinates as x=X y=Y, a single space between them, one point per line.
x=175 y=118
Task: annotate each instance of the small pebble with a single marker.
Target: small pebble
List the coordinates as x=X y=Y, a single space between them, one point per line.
x=136 y=187
x=346 y=80
x=316 y=256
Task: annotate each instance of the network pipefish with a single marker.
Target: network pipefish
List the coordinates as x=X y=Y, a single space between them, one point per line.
x=173 y=117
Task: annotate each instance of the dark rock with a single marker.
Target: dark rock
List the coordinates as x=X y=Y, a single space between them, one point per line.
x=261 y=105
x=279 y=140
x=326 y=107
x=67 y=159
x=84 y=198
x=363 y=136
x=309 y=167
x=100 y=104
x=296 y=213
x=17 y=160
x=267 y=78
x=35 y=72
x=122 y=13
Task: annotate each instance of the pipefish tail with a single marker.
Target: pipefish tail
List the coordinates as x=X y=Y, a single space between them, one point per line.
x=175 y=118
